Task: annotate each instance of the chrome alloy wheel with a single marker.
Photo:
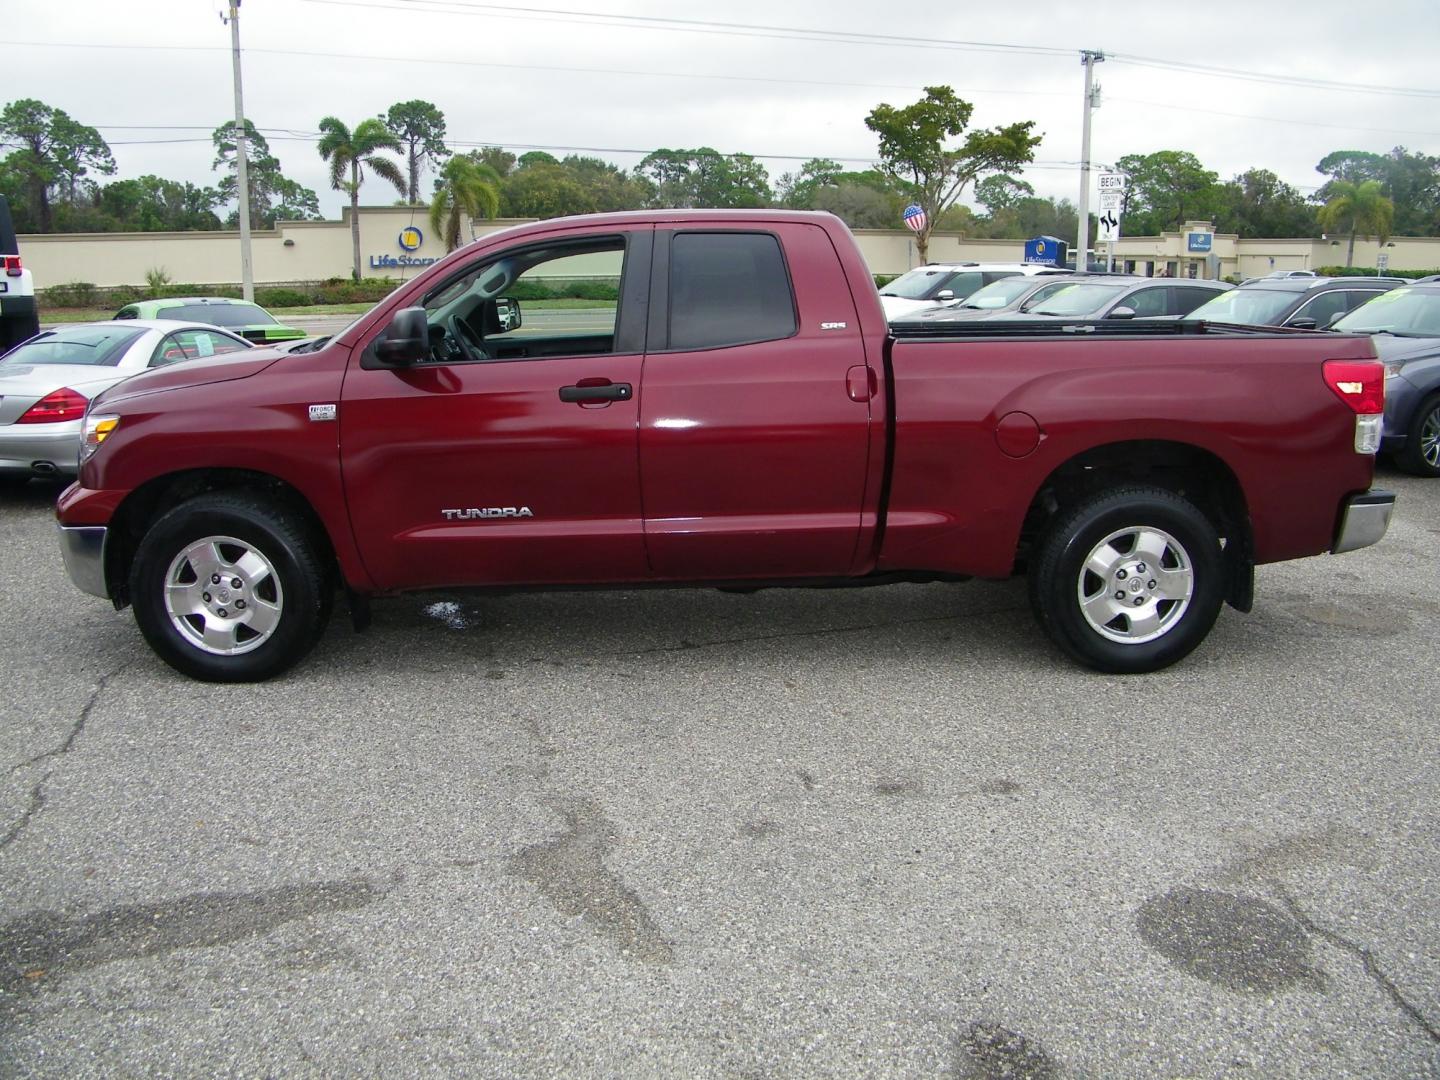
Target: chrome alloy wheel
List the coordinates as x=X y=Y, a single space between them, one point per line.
x=1430 y=439
x=1135 y=585
x=223 y=596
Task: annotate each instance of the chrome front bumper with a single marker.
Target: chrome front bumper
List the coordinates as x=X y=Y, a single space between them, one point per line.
x=84 y=550
x=1364 y=520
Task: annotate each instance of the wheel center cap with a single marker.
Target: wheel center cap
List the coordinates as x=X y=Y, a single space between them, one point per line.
x=1136 y=585
x=224 y=595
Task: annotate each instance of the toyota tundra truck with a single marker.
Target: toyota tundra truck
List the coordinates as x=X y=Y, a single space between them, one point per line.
x=743 y=417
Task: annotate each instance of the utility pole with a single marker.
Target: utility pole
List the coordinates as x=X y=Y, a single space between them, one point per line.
x=242 y=177
x=1088 y=57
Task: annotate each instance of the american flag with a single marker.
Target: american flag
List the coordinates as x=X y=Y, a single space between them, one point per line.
x=915 y=217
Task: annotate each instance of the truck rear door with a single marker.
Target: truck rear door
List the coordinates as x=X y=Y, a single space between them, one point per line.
x=755 y=417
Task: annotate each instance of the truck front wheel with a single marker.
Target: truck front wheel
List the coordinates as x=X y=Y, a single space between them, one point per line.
x=1129 y=581
x=228 y=588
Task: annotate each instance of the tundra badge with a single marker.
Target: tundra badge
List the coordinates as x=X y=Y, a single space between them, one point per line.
x=488 y=512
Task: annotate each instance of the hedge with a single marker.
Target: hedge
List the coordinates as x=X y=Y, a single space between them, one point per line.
x=1370 y=271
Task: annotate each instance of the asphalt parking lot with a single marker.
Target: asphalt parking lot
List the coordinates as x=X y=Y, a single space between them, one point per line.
x=670 y=833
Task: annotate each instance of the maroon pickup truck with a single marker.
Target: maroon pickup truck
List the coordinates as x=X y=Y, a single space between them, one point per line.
x=743 y=417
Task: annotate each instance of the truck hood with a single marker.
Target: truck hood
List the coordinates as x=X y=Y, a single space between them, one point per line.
x=187 y=373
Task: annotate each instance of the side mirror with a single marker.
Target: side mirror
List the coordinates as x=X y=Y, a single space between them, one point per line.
x=945 y=295
x=1304 y=322
x=406 y=340
x=1330 y=325
x=1121 y=312
x=507 y=312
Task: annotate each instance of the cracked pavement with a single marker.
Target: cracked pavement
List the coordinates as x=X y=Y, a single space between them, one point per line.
x=795 y=833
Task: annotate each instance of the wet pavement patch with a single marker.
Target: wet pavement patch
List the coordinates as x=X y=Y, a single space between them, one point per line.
x=570 y=871
x=991 y=1052
x=1234 y=941
x=37 y=948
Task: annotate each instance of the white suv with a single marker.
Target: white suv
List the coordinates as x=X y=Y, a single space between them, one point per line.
x=944 y=284
x=19 y=320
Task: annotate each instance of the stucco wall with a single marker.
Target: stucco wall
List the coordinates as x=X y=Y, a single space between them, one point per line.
x=316 y=250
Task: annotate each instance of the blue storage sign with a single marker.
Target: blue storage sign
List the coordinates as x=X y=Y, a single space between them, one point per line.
x=1048 y=250
x=1199 y=242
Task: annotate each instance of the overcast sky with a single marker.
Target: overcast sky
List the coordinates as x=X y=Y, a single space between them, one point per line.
x=610 y=78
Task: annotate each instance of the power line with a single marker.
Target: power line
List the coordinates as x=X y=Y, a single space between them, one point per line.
x=665 y=23
x=1274 y=119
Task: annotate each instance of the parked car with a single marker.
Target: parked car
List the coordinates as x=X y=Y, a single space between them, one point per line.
x=47 y=382
x=1302 y=302
x=948 y=283
x=1405 y=323
x=996 y=300
x=19 y=318
x=1110 y=296
x=250 y=321
x=749 y=419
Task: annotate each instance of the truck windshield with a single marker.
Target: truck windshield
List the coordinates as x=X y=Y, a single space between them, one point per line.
x=920 y=283
x=1074 y=300
x=1259 y=307
x=1403 y=312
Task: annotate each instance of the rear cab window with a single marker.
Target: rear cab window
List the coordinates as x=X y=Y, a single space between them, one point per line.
x=728 y=288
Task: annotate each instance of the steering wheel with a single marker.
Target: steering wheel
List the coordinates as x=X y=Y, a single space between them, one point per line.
x=463 y=334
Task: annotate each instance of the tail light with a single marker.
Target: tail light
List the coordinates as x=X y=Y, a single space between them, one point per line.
x=12 y=265
x=1361 y=385
x=55 y=407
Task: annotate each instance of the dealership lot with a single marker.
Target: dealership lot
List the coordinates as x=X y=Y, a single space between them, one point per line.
x=858 y=832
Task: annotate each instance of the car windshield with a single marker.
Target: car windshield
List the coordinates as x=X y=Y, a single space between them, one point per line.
x=219 y=314
x=1078 y=300
x=919 y=283
x=94 y=346
x=1403 y=312
x=999 y=293
x=1256 y=307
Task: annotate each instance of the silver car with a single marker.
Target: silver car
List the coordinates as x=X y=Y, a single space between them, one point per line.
x=47 y=382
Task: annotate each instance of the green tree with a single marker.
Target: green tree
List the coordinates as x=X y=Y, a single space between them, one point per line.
x=350 y=153
x=466 y=189
x=797 y=190
x=913 y=151
x=49 y=152
x=999 y=193
x=545 y=189
x=1409 y=180
x=1165 y=189
x=420 y=127
x=1357 y=209
x=154 y=204
x=1258 y=204
x=705 y=178
x=273 y=196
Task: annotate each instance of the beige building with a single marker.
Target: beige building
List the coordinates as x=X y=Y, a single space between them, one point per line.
x=396 y=242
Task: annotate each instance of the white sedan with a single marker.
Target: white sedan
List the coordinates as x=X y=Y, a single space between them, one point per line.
x=46 y=384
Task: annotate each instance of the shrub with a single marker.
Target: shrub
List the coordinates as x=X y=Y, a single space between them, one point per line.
x=121 y=295
x=157 y=279
x=1370 y=271
x=282 y=298
x=72 y=294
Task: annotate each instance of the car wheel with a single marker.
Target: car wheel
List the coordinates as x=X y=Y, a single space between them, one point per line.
x=1129 y=581
x=230 y=588
x=1420 y=455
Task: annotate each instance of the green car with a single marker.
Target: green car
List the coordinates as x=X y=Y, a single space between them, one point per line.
x=250 y=321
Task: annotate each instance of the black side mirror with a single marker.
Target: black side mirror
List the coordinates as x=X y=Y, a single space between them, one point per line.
x=507 y=312
x=406 y=340
x=1304 y=322
x=1122 y=312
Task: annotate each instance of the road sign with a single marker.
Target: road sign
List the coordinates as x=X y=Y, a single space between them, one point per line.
x=1109 y=230
x=1111 y=186
x=1382 y=261
x=1110 y=181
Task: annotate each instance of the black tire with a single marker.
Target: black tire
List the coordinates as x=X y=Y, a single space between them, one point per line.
x=274 y=555
x=1417 y=457
x=1154 y=625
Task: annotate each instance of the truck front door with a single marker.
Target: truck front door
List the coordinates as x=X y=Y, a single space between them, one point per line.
x=509 y=455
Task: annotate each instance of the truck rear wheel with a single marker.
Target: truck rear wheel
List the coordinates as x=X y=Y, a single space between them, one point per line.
x=228 y=588
x=1129 y=581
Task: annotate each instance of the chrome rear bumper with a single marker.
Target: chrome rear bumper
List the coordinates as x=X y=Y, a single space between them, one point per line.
x=84 y=550
x=1364 y=520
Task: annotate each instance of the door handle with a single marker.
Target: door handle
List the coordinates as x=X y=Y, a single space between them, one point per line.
x=596 y=390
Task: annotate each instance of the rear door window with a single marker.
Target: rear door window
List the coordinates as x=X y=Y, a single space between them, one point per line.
x=1187 y=300
x=1323 y=308
x=1148 y=302
x=728 y=289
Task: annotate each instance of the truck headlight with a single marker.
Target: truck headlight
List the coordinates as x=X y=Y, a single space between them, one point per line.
x=94 y=431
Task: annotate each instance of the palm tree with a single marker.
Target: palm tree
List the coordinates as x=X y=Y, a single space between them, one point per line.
x=352 y=153
x=467 y=188
x=1357 y=208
